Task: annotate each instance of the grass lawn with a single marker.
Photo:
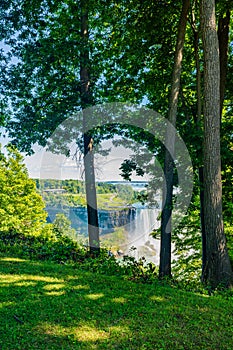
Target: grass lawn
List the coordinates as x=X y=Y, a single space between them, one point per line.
x=51 y=306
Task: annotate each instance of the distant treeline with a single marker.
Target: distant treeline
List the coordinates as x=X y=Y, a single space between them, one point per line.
x=72 y=192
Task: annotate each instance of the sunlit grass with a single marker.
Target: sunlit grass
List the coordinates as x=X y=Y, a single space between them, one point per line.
x=119 y=300
x=110 y=201
x=95 y=296
x=106 y=201
x=86 y=334
x=51 y=306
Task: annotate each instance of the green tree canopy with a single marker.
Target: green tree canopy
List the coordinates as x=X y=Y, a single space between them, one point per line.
x=21 y=207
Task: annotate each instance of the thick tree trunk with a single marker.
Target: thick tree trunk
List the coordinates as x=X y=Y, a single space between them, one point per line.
x=86 y=101
x=165 y=250
x=218 y=268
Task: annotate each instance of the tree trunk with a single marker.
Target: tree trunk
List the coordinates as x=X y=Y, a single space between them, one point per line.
x=86 y=101
x=218 y=268
x=223 y=39
x=165 y=250
x=197 y=119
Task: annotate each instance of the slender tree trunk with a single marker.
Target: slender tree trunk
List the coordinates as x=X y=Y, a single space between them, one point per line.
x=199 y=152
x=86 y=101
x=165 y=250
x=223 y=39
x=218 y=268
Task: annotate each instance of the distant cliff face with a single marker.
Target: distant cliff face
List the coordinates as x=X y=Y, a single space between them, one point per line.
x=108 y=219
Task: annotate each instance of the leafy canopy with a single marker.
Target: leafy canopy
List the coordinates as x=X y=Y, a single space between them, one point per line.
x=21 y=207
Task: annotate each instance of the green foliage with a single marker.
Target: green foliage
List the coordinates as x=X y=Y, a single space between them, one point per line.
x=139 y=271
x=127 y=167
x=227 y=166
x=60 y=200
x=51 y=244
x=21 y=207
x=69 y=185
x=126 y=193
x=62 y=226
x=229 y=236
x=114 y=241
x=73 y=186
x=70 y=193
x=187 y=240
x=103 y=187
x=55 y=245
x=128 y=267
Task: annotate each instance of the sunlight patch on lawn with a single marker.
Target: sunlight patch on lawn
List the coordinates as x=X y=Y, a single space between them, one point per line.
x=120 y=300
x=87 y=333
x=157 y=298
x=54 y=289
x=24 y=284
x=7 y=279
x=54 y=293
x=13 y=259
x=95 y=296
x=51 y=329
x=54 y=286
x=82 y=333
x=7 y=303
x=80 y=287
x=27 y=278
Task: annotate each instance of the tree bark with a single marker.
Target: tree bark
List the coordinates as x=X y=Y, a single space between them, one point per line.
x=218 y=268
x=197 y=120
x=86 y=101
x=223 y=39
x=165 y=250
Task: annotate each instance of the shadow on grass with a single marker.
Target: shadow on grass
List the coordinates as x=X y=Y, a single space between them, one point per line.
x=50 y=306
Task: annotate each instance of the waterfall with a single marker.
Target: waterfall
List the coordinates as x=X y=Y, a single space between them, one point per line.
x=139 y=235
x=137 y=222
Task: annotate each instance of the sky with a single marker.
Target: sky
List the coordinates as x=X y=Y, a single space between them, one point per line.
x=47 y=165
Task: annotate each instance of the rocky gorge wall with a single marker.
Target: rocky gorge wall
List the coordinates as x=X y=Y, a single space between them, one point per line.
x=108 y=219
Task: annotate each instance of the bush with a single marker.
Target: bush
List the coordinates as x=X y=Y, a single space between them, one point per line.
x=46 y=246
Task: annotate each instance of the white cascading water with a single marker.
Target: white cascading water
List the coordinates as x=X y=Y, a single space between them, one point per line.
x=139 y=237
